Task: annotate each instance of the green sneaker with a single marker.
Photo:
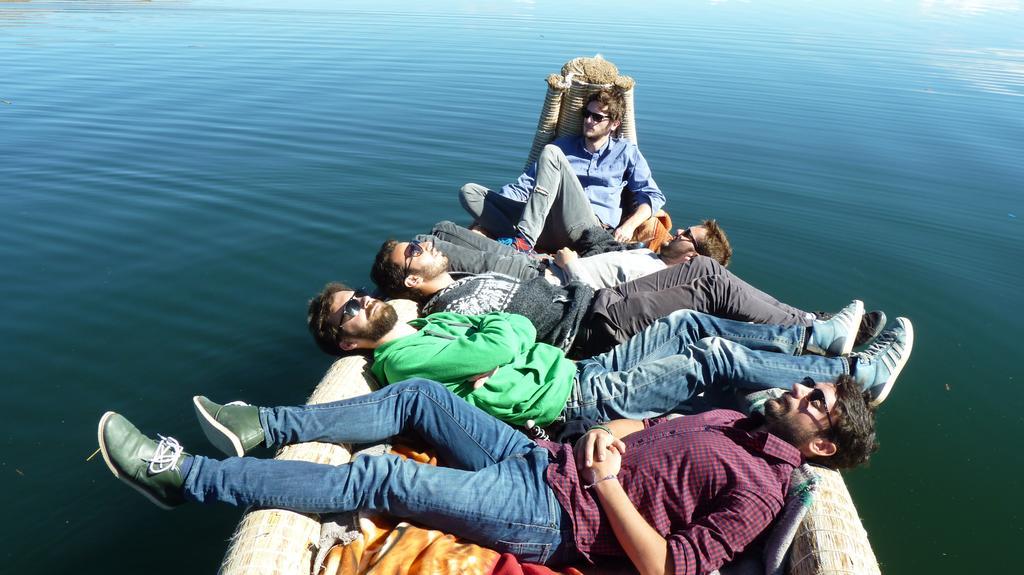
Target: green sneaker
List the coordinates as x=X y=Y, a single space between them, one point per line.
x=233 y=428
x=836 y=335
x=151 y=468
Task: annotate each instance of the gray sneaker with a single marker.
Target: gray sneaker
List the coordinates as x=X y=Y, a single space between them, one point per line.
x=836 y=335
x=149 y=467
x=870 y=326
x=877 y=367
x=233 y=428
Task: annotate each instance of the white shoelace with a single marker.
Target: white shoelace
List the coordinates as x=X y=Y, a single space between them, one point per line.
x=891 y=356
x=166 y=455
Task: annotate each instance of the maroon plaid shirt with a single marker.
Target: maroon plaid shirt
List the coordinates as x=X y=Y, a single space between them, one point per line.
x=704 y=482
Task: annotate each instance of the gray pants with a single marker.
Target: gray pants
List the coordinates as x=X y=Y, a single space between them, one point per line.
x=702 y=284
x=470 y=252
x=554 y=216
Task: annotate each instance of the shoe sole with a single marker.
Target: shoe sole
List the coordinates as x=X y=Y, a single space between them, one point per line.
x=867 y=336
x=857 y=317
x=908 y=346
x=110 y=465
x=221 y=437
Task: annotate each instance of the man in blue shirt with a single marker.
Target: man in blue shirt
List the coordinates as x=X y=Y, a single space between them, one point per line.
x=576 y=184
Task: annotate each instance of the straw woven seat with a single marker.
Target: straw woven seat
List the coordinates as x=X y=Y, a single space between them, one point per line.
x=561 y=114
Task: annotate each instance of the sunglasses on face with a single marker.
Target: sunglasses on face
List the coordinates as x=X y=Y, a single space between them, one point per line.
x=597 y=118
x=816 y=398
x=413 y=250
x=688 y=234
x=350 y=308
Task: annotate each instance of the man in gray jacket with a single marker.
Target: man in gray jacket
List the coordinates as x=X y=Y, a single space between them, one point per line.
x=574 y=318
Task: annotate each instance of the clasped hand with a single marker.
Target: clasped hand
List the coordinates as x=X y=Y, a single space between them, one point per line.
x=624 y=233
x=598 y=454
x=565 y=256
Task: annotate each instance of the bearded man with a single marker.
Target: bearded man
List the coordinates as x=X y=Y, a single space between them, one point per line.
x=575 y=318
x=681 y=495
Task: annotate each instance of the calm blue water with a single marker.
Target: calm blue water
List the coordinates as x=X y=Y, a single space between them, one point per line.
x=178 y=177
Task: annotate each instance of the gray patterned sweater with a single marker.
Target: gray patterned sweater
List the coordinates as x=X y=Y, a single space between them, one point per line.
x=555 y=311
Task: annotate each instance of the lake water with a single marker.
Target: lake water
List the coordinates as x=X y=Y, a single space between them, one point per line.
x=178 y=177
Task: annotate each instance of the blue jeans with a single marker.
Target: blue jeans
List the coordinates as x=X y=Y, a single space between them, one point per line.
x=686 y=353
x=486 y=457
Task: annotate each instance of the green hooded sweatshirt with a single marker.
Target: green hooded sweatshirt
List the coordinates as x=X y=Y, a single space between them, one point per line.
x=533 y=380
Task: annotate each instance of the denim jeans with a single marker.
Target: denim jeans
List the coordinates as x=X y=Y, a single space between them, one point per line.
x=470 y=252
x=555 y=215
x=686 y=353
x=702 y=284
x=486 y=457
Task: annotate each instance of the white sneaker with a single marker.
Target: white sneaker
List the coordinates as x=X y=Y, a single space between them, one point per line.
x=876 y=368
x=836 y=335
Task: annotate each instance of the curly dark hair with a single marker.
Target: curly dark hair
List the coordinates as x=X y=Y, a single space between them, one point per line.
x=388 y=276
x=614 y=99
x=327 y=336
x=853 y=431
x=715 y=244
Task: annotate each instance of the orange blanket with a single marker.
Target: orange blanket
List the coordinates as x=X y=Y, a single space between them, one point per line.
x=655 y=231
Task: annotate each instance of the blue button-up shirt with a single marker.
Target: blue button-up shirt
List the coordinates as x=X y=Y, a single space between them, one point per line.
x=602 y=175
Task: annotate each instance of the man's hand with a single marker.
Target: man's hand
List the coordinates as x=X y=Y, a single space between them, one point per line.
x=624 y=233
x=480 y=380
x=598 y=448
x=476 y=228
x=610 y=465
x=565 y=256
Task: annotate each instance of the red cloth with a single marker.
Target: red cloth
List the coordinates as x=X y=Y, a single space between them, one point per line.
x=508 y=565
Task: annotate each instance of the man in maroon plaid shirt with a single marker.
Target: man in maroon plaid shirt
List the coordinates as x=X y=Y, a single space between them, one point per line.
x=681 y=495
x=685 y=495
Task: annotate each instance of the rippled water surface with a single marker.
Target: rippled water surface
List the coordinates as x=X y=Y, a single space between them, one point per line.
x=178 y=177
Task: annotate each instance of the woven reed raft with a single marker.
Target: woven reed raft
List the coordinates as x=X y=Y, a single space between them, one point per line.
x=274 y=541
x=831 y=540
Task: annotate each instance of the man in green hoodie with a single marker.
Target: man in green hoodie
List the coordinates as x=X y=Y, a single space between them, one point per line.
x=494 y=362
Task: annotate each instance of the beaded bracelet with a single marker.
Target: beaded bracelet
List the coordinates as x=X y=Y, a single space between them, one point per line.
x=605 y=478
x=602 y=428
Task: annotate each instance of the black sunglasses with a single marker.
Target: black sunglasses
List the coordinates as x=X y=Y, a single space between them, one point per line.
x=413 y=250
x=688 y=234
x=597 y=118
x=817 y=398
x=350 y=309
